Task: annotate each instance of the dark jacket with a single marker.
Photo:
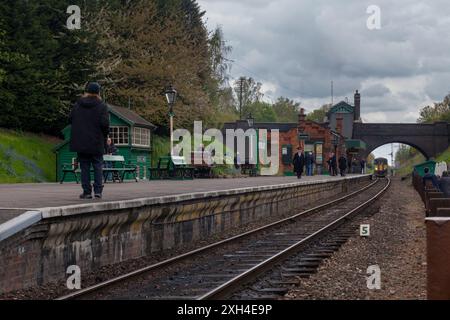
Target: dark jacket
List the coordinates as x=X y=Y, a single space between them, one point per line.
x=90 y=126
x=309 y=159
x=342 y=163
x=444 y=186
x=434 y=180
x=333 y=161
x=298 y=162
x=111 y=149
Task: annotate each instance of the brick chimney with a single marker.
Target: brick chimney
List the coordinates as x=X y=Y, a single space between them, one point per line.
x=357 y=113
x=301 y=120
x=339 y=124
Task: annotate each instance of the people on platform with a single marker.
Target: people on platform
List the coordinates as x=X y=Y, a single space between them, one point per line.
x=444 y=184
x=363 y=166
x=332 y=162
x=90 y=127
x=309 y=160
x=111 y=148
x=430 y=178
x=342 y=165
x=299 y=162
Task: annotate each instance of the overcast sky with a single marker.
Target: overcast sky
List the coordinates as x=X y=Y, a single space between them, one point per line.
x=297 y=47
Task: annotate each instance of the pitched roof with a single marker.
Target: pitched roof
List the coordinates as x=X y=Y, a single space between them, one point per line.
x=342 y=107
x=131 y=116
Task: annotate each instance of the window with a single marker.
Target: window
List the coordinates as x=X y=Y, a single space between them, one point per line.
x=141 y=137
x=119 y=135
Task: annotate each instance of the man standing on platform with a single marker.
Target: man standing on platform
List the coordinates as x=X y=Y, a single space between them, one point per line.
x=342 y=165
x=299 y=162
x=90 y=128
x=309 y=159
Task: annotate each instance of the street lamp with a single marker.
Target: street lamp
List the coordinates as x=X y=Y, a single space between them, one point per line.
x=171 y=96
x=250 y=120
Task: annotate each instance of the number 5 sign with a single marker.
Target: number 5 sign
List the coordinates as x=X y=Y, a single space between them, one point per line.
x=364 y=230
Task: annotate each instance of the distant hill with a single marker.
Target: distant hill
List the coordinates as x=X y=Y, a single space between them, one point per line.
x=26 y=157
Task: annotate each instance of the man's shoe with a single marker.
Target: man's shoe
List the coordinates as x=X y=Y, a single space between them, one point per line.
x=86 y=196
x=98 y=195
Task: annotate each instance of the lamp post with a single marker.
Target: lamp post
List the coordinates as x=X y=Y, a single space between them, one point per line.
x=251 y=123
x=171 y=96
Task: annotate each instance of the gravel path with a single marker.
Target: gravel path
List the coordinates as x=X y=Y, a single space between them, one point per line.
x=397 y=244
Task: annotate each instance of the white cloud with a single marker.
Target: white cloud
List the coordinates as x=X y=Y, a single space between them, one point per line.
x=297 y=47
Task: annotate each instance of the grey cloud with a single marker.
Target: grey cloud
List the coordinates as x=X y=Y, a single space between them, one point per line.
x=302 y=45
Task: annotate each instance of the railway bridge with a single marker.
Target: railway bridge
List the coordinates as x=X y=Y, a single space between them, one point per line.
x=429 y=139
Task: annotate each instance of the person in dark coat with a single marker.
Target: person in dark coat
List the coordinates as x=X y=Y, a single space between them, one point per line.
x=431 y=177
x=444 y=184
x=90 y=127
x=299 y=162
x=111 y=148
x=309 y=162
x=342 y=165
x=333 y=165
x=363 y=166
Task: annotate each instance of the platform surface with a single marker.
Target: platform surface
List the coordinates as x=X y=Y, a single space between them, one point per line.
x=16 y=199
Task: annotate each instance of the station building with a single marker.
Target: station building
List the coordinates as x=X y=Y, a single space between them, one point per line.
x=333 y=135
x=129 y=132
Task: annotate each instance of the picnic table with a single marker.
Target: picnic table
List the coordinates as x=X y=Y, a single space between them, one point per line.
x=115 y=167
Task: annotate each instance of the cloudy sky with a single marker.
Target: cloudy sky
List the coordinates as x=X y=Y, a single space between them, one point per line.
x=297 y=47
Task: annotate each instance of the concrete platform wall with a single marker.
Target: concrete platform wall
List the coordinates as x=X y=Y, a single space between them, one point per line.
x=91 y=236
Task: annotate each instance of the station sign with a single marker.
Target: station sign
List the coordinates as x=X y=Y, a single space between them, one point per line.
x=303 y=136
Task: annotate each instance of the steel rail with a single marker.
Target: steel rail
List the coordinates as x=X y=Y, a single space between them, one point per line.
x=225 y=290
x=97 y=287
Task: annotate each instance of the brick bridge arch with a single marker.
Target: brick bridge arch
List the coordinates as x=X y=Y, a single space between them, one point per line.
x=429 y=139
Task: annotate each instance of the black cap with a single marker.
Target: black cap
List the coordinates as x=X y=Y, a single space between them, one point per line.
x=93 y=88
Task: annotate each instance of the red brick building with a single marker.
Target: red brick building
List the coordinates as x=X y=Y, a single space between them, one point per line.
x=309 y=135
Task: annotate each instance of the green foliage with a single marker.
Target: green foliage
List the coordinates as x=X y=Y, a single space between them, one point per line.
x=445 y=156
x=286 y=110
x=438 y=112
x=319 y=114
x=26 y=158
x=50 y=63
x=261 y=112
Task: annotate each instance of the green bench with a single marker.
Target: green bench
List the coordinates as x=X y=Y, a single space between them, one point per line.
x=119 y=169
x=171 y=167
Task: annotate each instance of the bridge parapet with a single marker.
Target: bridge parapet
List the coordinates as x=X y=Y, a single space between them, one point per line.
x=429 y=139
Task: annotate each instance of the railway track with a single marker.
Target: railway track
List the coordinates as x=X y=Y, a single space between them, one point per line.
x=291 y=248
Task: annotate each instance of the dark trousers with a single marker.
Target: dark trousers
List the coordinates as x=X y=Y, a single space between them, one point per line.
x=86 y=160
x=299 y=173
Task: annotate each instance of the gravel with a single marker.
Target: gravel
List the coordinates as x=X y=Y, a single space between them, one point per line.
x=397 y=244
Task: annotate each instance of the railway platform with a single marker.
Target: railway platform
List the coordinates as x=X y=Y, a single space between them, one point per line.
x=44 y=228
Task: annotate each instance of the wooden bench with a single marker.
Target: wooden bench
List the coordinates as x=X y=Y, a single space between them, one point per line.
x=72 y=168
x=118 y=169
x=249 y=169
x=171 y=167
x=200 y=160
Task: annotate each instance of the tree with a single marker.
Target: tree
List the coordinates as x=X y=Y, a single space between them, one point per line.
x=438 y=112
x=261 y=111
x=247 y=92
x=319 y=115
x=286 y=110
x=46 y=66
x=147 y=45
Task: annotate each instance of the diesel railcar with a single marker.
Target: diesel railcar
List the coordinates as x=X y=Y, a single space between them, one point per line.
x=381 y=167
